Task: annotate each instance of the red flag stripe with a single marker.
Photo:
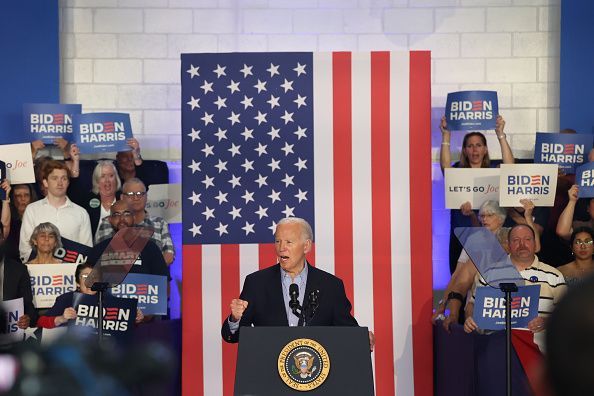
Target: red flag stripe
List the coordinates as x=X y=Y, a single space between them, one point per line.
x=342 y=136
x=420 y=224
x=380 y=196
x=192 y=332
x=229 y=291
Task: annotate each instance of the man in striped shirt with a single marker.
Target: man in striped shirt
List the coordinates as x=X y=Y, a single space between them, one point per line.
x=522 y=247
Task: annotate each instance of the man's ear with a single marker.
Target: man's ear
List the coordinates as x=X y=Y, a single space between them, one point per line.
x=307 y=247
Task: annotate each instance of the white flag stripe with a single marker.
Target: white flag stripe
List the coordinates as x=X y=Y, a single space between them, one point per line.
x=323 y=161
x=211 y=314
x=362 y=236
x=248 y=261
x=361 y=168
x=400 y=222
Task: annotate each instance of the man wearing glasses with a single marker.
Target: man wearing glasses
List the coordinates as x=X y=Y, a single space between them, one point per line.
x=150 y=260
x=134 y=194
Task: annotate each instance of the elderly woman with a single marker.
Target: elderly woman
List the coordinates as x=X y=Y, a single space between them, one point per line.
x=62 y=311
x=105 y=191
x=21 y=195
x=45 y=239
x=582 y=248
x=492 y=217
x=474 y=154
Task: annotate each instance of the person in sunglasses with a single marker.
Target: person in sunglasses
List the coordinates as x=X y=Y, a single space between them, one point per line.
x=134 y=193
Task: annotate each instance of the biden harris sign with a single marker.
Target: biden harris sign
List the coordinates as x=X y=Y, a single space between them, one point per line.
x=471 y=110
x=568 y=150
x=536 y=182
x=102 y=132
x=49 y=121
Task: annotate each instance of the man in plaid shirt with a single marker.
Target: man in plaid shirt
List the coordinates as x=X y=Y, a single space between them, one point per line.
x=134 y=192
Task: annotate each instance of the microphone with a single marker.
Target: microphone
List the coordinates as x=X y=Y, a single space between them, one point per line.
x=294 y=302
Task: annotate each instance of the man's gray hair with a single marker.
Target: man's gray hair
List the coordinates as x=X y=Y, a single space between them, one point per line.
x=49 y=228
x=97 y=175
x=492 y=207
x=306 y=228
x=133 y=180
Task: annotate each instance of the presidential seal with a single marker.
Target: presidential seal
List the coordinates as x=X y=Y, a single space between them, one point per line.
x=303 y=364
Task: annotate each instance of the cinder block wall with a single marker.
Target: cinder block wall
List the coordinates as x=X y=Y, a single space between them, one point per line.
x=123 y=55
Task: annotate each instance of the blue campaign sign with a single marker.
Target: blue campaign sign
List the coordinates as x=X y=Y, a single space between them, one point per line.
x=568 y=150
x=471 y=110
x=489 y=307
x=584 y=178
x=49 y=121
x=2 y=177
x=102 y=132
x=119 y=314
x=149 y=290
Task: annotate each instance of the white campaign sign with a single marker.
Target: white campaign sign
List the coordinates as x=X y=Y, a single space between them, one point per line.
x=536 y=182
x=48 y=281
x=471 y=185
x=13 y=309
x=19 y=164
x=164 y=200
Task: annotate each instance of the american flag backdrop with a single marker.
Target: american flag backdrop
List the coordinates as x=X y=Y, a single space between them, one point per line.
x=341 y=139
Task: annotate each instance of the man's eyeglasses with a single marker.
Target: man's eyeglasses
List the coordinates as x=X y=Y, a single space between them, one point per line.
x=119 y=215
x=135 y=194
x=585 y=242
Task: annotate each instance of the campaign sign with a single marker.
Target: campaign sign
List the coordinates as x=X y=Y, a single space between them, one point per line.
x=48 y=281
x=471 y=110
x=489 y=307
x=149 y=290
x=102 y=132
x=19 y=164
x=536 y=182
x=70 y=252
x=2 y=177
x=119 y=314
x=568 y=150
x=164 y=200
x=470 y=185
x=13 y=309
x=48 y=121
x=584 y=178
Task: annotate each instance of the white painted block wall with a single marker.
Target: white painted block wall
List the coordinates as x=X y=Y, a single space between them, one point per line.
x=123 y=55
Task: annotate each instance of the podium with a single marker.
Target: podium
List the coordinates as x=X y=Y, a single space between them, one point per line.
x=303 y=361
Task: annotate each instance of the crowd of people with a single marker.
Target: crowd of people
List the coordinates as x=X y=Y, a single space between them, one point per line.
x=561 y=236
x=38 y=218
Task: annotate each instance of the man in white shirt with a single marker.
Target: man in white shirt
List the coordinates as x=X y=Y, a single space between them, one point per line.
x=71 y=219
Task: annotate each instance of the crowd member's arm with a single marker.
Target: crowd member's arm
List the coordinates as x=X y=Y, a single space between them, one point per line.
x=460 y=283
x=132 y=142
x=469 y=324
x=86 y=237
x=506 y=153
x=74 y=164
x=564 y=225
x=445 y=154
x=168 y=248
x=5 y=216
x=466 y=209
x=49 y=322
x=528 y=219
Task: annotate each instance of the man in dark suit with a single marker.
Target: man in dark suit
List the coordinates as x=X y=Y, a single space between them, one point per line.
x=16 y=283
x=265 y=299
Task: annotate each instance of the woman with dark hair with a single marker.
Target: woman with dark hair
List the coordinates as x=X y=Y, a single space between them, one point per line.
x=582 y=248
x=474 y=154
x=21 y=195
x=62 y=311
